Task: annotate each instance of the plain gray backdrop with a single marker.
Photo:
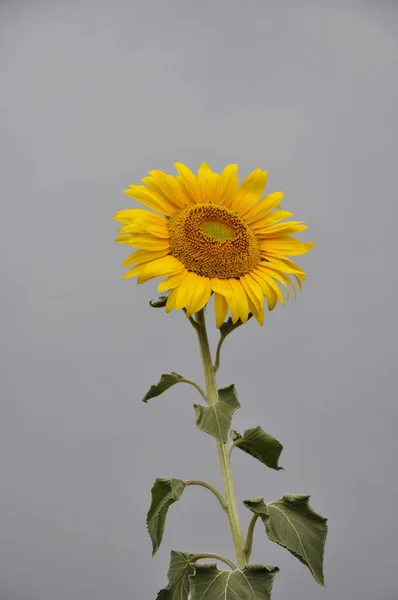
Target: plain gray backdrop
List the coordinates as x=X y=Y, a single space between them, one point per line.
x=94 y=94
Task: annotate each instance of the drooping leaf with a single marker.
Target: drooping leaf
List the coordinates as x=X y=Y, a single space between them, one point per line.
x=260 y=445
x=216 y=418
x=254 y=582
x=164 y=493
x=292 y=523
x=178 y=576
x=167 y=380
x=161 y=303
x=228 y=326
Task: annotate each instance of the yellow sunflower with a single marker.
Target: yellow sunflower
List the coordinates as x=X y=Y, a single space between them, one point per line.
x=210 y=235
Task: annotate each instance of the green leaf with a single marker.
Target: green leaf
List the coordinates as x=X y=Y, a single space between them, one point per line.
x=178 y=576
x=164 y=493
x=254 y=582
x=292 y=523
x=167 y=380
x=228 y=326
x=260 y=445
x=161 y=303
x=216 y=419
x=229 y=396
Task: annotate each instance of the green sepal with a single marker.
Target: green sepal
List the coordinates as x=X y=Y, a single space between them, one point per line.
x=216 y=418
x=253 y=582
x=161 y=303
x=167 y=380
x=164 y=493
x=178 y=576
x=228 y=326
x=293 y=524
x=260 y=445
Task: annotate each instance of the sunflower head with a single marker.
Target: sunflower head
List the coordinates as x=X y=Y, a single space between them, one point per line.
x=209 y=235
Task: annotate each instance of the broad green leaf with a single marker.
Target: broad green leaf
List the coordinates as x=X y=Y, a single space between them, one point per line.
x=178 y=576
x=260 y=445
x=161 y=303
x=292 y=523
x=167 y=380
x=254 y=582
x=228 y=326
x=216 y=418
x=164 y=493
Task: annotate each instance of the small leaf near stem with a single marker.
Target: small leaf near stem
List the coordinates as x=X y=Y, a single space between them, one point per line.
x=167 y=380
x=230 y=564
x=164 y=493
x=160 y=303
x=249 y=537
x=217 y=494
x=260 y=445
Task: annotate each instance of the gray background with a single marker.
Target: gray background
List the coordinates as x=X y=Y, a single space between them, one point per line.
x=95 y=94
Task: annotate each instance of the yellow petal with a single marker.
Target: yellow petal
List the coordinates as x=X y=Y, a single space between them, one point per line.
x=184 y=290
x=200 y=295
x=207 y=181
x=129 y=215
x=281 y=229
x=141 y=256
x=189 y=181
x=222 y=286
x=267 y=279
x=168 y=265
x=220 y=309
x=168 y=187
x=258 y=312
x=253 y=290
x=124 y=239
x=171 y=300
x=227 y=186
x=146 y=227
x=282 y=264
x=148 y=242
x=270 y=219
x=172 y=281
x=240 y=299
x=249 y=192
x=260 y=210
x=286 y=245
x=281 y=277
x=150 y=198
x=269 y=293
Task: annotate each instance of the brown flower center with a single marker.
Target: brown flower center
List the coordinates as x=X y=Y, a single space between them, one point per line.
x=213 y=241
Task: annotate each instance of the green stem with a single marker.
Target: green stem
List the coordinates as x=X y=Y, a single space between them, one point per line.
x=218 y=351
x=249 y=537
x=211 y=488
x=212 y=397
x=216 y=557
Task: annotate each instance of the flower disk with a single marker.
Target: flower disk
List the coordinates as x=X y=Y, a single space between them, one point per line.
x=212 y=241
x=208 y=235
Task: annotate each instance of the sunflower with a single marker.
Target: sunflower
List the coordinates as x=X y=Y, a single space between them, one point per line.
x=209 y=235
